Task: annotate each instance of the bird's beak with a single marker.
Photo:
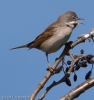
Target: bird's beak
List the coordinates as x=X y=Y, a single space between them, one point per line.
x=79 y=23
x=80 y=18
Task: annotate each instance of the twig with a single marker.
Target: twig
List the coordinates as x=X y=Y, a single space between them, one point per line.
x=71 y=55
x=61 y=80
x=51 y=86
x=74 y=93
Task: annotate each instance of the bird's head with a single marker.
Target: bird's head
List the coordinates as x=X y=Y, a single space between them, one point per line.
x=70 y=19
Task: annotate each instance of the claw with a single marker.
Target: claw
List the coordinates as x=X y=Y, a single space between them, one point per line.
x=50 y=69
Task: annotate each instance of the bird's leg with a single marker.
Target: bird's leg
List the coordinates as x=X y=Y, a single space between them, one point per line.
x=49 y=67
x=47 y=59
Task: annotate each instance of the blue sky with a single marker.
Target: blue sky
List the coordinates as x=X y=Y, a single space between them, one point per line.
x=20 y=22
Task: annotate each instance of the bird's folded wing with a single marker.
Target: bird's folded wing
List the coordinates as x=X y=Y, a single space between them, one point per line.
x=48 y=33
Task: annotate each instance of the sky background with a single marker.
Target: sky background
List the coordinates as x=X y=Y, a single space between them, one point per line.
x=20 y=22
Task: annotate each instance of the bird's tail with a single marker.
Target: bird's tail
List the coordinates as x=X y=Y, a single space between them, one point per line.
x=23 y=46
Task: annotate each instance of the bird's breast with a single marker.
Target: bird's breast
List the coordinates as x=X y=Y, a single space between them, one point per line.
x=58 y=39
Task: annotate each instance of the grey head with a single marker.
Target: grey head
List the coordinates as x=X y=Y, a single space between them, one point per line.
x=69 y=16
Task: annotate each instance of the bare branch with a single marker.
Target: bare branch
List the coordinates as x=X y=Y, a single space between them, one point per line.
x=61 y=80
x=74 y=93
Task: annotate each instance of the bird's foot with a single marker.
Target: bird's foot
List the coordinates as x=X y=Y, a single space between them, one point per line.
x=50 y=69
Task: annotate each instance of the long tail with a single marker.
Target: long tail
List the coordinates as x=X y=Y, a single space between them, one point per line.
x=23 y=46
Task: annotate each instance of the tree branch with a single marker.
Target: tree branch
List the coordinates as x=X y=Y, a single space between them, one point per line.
x=74 y=93
x=63 y=79
x=66 y=49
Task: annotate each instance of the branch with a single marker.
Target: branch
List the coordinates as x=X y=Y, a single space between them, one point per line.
x=64 y=79
x=74 y=93
x=66 y=49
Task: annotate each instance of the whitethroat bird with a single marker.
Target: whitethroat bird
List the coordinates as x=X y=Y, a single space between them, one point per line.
x=55 y=35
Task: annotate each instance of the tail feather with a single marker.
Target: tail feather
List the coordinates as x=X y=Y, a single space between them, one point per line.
x=23 y=46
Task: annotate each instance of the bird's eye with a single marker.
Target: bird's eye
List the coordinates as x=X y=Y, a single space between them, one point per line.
x=73 y=17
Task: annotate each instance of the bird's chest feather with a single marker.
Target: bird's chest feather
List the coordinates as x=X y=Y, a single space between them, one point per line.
x=61 y=35
x=59 y=38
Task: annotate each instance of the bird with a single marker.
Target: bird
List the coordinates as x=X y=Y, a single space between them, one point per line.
x=55 y=35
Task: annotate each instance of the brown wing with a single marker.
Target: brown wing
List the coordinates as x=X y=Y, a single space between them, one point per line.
x=43 y=36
